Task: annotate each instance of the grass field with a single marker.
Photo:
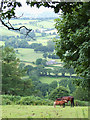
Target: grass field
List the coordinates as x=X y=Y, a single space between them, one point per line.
x=50 y=79
x=2 y=43
x=33 y=24
x=5 y=31
x=24 y=111
x=28 y=55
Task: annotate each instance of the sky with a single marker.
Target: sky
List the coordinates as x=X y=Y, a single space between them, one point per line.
x=26 y=9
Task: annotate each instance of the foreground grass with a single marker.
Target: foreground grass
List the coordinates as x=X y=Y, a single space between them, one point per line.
x=27 y=111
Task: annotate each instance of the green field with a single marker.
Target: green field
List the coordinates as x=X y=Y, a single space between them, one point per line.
x=2 y=43
x=50 y=79
x=6 y=32
x=27 y=111
x=28 y=55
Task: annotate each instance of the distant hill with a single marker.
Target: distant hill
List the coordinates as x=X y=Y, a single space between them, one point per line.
x=45 y=14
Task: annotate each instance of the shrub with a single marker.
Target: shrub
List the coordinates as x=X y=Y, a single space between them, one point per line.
x=29 y=100
x=9 y=99
x=6 y=102
x=81 y=103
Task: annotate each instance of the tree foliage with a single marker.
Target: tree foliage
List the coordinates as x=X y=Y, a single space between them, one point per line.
x=12 y=82
x=81 y=94
x=73 y=45
x=58 y=92
x=10 y=73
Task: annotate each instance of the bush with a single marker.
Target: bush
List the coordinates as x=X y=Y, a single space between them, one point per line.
x=9 y=99
x=81 y=103
x=29 y=100
x=6 y=102
x=32 y=100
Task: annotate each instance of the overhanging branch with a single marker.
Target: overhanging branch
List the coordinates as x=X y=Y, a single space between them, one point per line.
x=12 y=28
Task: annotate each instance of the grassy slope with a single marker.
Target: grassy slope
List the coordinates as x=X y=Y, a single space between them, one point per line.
x=5 y=31
x=46 y=24
x=50 y=79
x=18 y=111
x=2 y=43
x=28 y=55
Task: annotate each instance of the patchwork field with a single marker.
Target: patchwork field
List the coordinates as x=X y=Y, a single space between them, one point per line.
x=23 y=111
x=29 y=55
x=33 y=24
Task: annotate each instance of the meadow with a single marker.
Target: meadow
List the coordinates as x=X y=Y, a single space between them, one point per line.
x=49 y=80
x=28 y=55
x=32 y=24
x=27 y=111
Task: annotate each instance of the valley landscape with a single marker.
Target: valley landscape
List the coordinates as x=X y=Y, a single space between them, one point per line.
x=41 y=78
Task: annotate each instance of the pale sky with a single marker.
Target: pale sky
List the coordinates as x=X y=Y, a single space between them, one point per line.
x=26 y=9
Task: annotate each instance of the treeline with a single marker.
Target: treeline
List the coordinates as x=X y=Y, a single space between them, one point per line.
x=36 y=46
x=9 y=39
x=53 y=56
x=42 y=69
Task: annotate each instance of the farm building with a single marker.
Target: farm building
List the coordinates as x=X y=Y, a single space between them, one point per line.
x=51 y=62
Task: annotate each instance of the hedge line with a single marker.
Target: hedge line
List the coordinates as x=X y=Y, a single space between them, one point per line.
x=29 y=100
x=32 y=100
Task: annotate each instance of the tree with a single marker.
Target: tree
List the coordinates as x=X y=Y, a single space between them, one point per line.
x=81 y=94
x=45 y=55
x=34 y=45
x=43 y=34
x=53 y=84
x=11 y=75
x=22 y=68
x=63 y=71
x=56 y=71
x=28 y=68
x=41 y=48
x=51 y=46
x=38 y=61
x=27 y=87
x=73 y=45
x=34 y=75
x=43 y=87
x=70 y=71
x=58 y=92
x=41 y=61
x=12 y=81
x=67 y=83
